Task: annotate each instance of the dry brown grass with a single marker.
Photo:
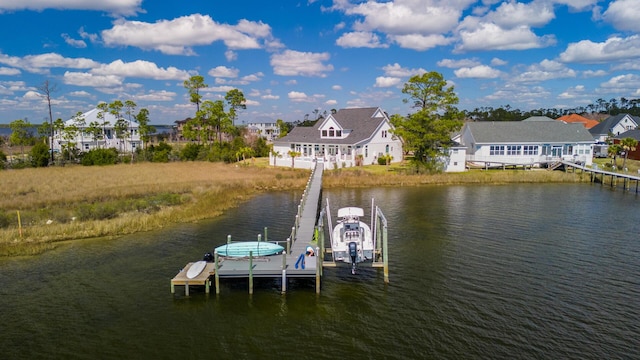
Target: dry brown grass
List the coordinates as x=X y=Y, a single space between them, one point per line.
x=207 y=189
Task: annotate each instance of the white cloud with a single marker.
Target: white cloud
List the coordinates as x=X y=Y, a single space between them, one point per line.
x=621 y=83
x=231 y=55
x=545 y=70
x=5 y=71
x=407 y=16
x=420 y=42
x=613 y=49
x=81 y=93
x=385 y=81
x=331 y=102
x=119 y=7
x=30 y=95
x=395 y=70
x=73 y=42
x=478 y=72
x=87 y=79
x=336 y=87
x=140 y=69
x=161 y=95
x=623 y=15
x=296 y=63
x=270 y=97
x=511 y=14
x=223 y=71
x=455 y=64
x=40 y=64
x=296 y=96
x=577 y=4
x=177 y=36
x=360 y=39
x=498 y=62
x=489 y=36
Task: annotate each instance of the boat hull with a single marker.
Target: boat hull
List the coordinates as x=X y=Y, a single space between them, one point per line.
x=245 y=248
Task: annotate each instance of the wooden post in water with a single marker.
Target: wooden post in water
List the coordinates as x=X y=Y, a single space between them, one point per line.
x=250 y=272
x=265 y=234
x=284 y=281
x=259 y=237
x=228 y=239
x=318 y=267
x=216 y=276
x=385 y=253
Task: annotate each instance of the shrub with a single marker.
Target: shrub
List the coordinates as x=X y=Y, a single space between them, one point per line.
x=40 y=155
x=100 y=157
x=191 y=151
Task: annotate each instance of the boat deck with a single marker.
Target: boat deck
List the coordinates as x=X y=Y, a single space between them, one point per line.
x=203 y=279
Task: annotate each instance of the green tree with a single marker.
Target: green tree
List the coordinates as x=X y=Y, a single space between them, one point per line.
x=40 y=154
x=20 y=134
x=144 y=129
x=294 y=154
x=103 y=108
x=95 y=130
x=236 y=100
x=244 y=152
x=628 y=144
x=215 y=118
x=80 y=123
x=283 y=127
x=613 y=150
x=427 y=132
x=193 y=86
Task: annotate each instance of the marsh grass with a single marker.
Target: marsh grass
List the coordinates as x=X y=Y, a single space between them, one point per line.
x=65 y=203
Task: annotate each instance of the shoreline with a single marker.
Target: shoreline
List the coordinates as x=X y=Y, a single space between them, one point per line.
x=211 y=190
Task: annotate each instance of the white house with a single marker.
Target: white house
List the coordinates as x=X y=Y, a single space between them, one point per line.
x=526 y=143
x=614 y=125
x=267 y=130
x=85 y=140
x=347 y=138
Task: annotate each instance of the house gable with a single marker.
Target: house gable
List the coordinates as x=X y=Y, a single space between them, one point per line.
x=331 y=129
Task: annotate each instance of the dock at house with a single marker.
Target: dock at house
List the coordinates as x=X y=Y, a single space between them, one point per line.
x=293 y=262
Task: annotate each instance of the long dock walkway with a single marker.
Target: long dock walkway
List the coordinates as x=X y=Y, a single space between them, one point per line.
x=291 y=263
x=597 y=175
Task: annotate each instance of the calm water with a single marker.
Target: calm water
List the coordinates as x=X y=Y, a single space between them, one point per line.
x=500 y=272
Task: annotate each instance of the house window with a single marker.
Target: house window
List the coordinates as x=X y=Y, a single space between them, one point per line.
x=324 y=133
x=386 y=149
x=331 y=132
x=513 y=149
x=339 y=133
x=529 y=150
x=496 y=150
x=366 y=151
x=384 y=133
x=86 y=147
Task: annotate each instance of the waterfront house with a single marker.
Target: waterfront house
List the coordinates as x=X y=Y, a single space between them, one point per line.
x=349 y=137
x=532 y=143
x=107 y=137
x=614 y=126
x=266 y=130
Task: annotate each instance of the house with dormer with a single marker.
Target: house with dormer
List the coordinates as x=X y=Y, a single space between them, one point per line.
x=348 y=137
x=614 y=126
x=95 y=129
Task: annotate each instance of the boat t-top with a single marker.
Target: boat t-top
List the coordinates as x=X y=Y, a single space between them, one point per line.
x=351 y=240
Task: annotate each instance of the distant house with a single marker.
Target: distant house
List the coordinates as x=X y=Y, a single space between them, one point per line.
x=266 y=130
x=347 y=138
x=634 y=134
x=577 y=119
x=85 y=140
x=534 y=142
x=614 y=125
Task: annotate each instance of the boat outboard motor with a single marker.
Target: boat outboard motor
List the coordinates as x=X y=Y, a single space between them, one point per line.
x=208 y=257
x=353 y=254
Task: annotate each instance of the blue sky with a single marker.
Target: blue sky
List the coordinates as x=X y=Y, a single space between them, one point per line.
x=290 y=58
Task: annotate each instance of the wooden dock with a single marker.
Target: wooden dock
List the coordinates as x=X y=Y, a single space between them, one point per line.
x=285 y=265
x=601 y=176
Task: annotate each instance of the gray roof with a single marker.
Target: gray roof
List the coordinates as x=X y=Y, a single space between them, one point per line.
x=358 y=120
x=538 y=118
x=528 y=132
x=634 y=134
x=607 y=124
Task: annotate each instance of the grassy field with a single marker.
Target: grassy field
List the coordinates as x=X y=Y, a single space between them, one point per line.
x=74 y=202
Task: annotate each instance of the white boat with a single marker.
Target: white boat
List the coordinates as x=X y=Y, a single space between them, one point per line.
x=351 y=240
